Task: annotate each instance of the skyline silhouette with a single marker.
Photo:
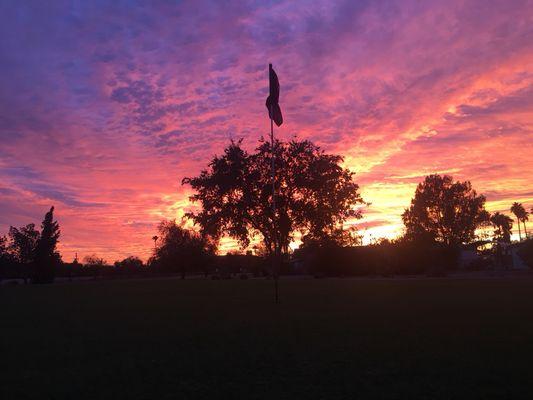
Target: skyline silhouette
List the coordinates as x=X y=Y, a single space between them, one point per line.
x=105 y=108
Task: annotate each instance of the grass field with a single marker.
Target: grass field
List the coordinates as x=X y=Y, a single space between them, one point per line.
x=329 y=339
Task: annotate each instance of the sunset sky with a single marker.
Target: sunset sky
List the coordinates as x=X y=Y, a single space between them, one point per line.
x=106 y=106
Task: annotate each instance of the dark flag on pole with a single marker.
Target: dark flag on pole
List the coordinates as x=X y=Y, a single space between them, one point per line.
x=274 y=112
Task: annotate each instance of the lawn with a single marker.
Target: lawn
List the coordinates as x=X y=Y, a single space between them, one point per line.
x=328 y=339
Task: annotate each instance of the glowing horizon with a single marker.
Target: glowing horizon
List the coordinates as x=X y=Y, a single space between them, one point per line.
x=105 y=108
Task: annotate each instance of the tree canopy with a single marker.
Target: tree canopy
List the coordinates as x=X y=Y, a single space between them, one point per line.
x=129 y=265
x=521 y=216
x=181 y=249
x=314 y=194
x=5 y=255
x=93 y=260
x=444 y=211
x=502 y=226
x=23 y=242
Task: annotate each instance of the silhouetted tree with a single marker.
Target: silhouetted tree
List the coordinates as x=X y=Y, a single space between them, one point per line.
x=181 y=249
x=519 y=211
x=22 y=245
x=340 y=237
x=525 y=217
x=5 y=256
x=46 y=256
x=129 y=265
x=503 y=225
x=94 y=264
x=23 y=242
x=324 y=254
x=94 y=261
x=3 y=247
x=444 y=211
x=3 y=244
x=314 y=194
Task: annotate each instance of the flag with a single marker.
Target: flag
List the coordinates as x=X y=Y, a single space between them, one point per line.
x=274 y=112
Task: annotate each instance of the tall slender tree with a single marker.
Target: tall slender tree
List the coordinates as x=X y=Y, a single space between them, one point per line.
x=518 y=210
x=46 y=255
x=525 y=217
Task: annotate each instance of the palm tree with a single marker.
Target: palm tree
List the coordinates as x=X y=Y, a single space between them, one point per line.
x=503 y=225
x=525 y=217
x=154 y=238
x=518 y=210
x=530 y=213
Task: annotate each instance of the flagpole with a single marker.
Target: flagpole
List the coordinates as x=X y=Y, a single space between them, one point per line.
x=273 y=178
x=273 y=175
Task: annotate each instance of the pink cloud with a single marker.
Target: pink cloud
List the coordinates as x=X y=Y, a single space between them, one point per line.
x=105 y=108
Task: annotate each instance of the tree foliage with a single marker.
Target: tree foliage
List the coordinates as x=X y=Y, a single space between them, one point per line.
x=181 y=250
x=46 y=255
x=502 y=226
x=94 y=261
x=3 y=246
x=521 y=217
x=5 y=254
x=23 y=242
x=314 y=194
x=519 y=212
x=129 y=265
x=444 y=211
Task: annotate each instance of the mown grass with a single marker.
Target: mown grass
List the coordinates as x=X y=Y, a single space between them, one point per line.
x=328 y=339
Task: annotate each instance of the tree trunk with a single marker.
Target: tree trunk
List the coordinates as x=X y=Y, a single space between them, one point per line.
x=519 y=233
x=525 y=230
